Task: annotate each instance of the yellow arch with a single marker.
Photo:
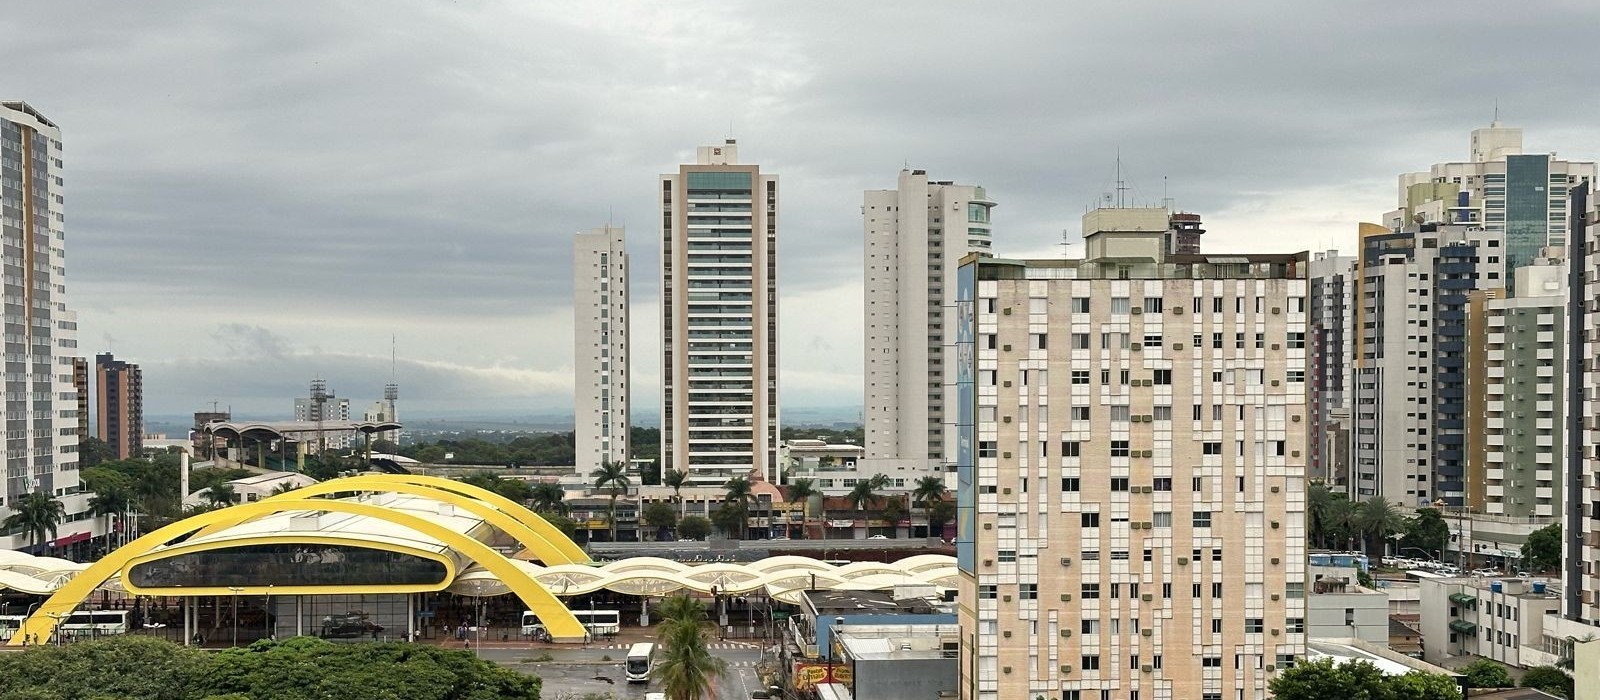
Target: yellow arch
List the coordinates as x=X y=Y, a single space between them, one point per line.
x=551 y=533
x=297 y=538
x=557 y=619
x=537 y=542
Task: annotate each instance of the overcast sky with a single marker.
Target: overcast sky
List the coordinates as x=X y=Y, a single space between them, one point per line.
x=259 y=193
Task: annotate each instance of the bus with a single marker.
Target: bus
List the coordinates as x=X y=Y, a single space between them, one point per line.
x=597 y=622
x=95 y=623
x=9 y=624
x=1420 y=575
x=641 y=661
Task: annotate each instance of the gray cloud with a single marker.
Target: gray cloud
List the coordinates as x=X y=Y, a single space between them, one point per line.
x=260 y=193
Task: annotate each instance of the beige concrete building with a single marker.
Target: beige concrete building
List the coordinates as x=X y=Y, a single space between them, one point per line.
x=719 y=318
x=600 y=354
x=1131 y=490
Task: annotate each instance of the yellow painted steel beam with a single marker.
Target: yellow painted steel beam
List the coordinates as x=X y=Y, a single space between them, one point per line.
x=42 y=624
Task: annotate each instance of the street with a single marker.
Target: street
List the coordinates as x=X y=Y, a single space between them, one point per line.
x=576 y=673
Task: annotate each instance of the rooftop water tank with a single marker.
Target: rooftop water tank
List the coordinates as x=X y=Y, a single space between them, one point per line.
x=1495 y=586
x=1538 y=587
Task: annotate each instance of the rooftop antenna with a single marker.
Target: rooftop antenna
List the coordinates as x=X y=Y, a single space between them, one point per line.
x=1122 y=186
x=1166 y=201
x=1066 y=243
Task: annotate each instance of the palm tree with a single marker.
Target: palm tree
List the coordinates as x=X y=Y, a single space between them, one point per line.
x=687 y=669
x=1375 y=519
x=801 y=491
x=220 y=495
x=548 y=497
x=929 y=491
x=613 y=477
x=284 y=488
x=864 y=494
x=676 y=479
x=1319 y=504
x=37 y=514
x=738 y=489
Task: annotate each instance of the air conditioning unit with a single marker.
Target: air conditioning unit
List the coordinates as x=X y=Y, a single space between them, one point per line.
x=1177 y=346
x=1136 y=347
x=1066 y=561
x=1137 y=310
x=1277 y=310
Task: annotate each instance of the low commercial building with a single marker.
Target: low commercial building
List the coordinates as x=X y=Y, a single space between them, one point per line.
x=1340 y=608
x=819 y=639
x=1491 y=618
x=898 y=662
x=255 y=487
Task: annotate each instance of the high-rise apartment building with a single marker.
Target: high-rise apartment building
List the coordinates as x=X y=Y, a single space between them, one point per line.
x=1131 y=473
x=1500 y=188
x=41 y=333
x=119 y=405
x=1580 y=527
x=322 y=406
x=1516 y=350
x=80 y=383
x=1410 y=358
x=719 y=318
x=915 y=237
x=600 y=352
x=1185 y=229
x=1331 y=337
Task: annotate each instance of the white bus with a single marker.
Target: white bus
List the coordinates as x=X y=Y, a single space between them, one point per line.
x=597 y=622
x=95 y=623
x=641 y=661
x=9 y=624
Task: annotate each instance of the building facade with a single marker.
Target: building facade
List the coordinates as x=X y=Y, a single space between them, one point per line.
x=1410 y=358
x=1521 y=195
x=119 y=405
x=321 y=406
x=915 y=236
x=1516 y=394
x=41 y=418
x=600 y=354
x=1581 y=520
x=719 y=318
x=1131 y=484
x=80 y=383
x=1333 y=284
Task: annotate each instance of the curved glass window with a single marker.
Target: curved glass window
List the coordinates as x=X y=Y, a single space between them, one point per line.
x=288 y=564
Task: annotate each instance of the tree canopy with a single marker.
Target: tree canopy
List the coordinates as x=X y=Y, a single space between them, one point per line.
x=1487 y=673
x=1542 y=551
x=302 y=668
x=1322 y=679
x=1549 y=679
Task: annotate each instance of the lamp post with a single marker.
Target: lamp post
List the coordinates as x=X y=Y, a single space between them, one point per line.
x=268 y=620
x=235 y=605
x=56 y=618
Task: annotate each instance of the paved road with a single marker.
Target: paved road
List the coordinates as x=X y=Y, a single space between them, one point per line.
x=578 y=672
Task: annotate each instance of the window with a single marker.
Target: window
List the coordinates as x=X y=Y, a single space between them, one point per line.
x=1297 y=340
x=1161 y=414
x=1161 y=377
x=1296 y=376
x=1080 y=413
x=1252 y=625
x=1028 y=591
x=1296 y=625
x=1080 y=341
x=1161 y=519
x=1071 y=449
x=1294 y=589
x=1216 y=589
x=1091 y=662
x=1090 y=627
x=1149 y=554
x=1216 y=341
x=987 y=592
x=1216 y=625
x=1202 y=518
x=1080 y=305
x=1194 y=484
x=1089 y=519
x=1209 y=448
x=987 y=448
x=1080 y=376
x=1119 y=448
x=1069 y=484
x=1040 y=341
x=1211 y=662
x=1089 y=591
x=1152 y=340
x=1121 y=414
x=1161 y=483
x=1119 y=483
x=1120 y=305
x=1152 y=305
x=1007 y=556
x=1091 y=555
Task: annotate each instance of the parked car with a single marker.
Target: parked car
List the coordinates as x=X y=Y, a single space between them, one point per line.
x=351 y=624
x=878 y=537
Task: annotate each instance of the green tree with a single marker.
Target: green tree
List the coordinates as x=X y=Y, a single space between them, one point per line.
x=1487 y=673
x=740 y=496
x=1427 y=531
x=1542 y=551
x=940 y=514
x=1322 y=679
x=92 y=451
x=863 y=496
x=928 y=491
x=687 y=670
x=611 y=477
x=1375 y=519
x=561 y=522
x=1549 y=679
x=801 y=491
x=729 y=519
x=38 y=514
x=220 y=495
x=676 y=479
x=548 y=497
x=284 y=488
x=694 y=527
x=661 y=516
x=894 y=511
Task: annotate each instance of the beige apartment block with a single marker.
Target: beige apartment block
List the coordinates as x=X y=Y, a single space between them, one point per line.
x=1132 y=483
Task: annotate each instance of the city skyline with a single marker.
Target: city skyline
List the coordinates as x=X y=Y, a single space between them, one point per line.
x=263 y=207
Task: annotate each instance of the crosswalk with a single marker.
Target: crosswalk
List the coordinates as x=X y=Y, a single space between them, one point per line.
x=726 y=646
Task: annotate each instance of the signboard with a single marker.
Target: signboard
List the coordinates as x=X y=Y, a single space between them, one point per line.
x=807 y=676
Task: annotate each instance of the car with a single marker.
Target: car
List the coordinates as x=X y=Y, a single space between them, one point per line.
x=878 y=537
x=655 y=696
x=351 y=624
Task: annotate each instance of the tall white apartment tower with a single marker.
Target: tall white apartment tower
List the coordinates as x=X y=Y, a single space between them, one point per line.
x=1131 y=478
x=719 y=318
x=915 y=237
x=600 y=356
x=1333 y=284
x=41 y=414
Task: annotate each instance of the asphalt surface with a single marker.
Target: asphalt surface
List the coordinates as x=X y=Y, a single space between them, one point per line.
x=575 y=673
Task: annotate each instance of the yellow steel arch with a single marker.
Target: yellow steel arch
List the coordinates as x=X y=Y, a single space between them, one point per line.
x=189 y=546
x=537 y=542
x=551 y=533
x=555 y=616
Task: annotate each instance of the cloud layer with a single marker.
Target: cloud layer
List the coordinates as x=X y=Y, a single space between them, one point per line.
x=258 y=194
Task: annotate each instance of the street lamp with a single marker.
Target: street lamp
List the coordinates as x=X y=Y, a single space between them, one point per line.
x=236 y=591
x=268 y=620
x=56 y=618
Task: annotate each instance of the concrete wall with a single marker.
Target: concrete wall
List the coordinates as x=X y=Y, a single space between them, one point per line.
x=1326 y=616
x=904 y=679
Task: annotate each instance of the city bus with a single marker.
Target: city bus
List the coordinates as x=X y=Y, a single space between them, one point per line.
x=9 y=624
x=641 y=661
x=95 y=623
x=597 y=622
